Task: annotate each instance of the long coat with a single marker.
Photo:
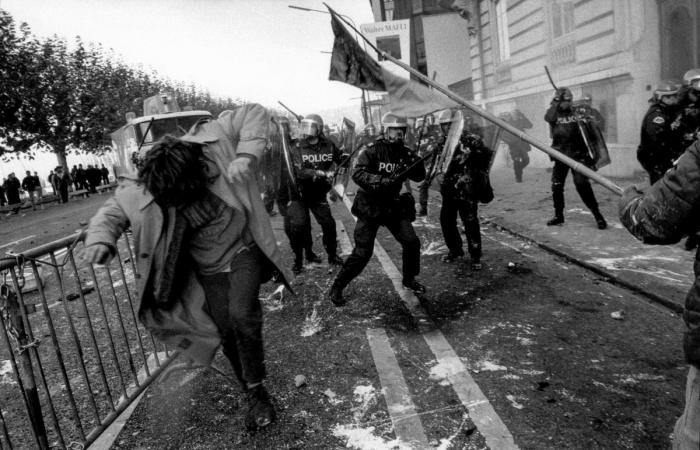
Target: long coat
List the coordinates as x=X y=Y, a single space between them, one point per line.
x=185 y=324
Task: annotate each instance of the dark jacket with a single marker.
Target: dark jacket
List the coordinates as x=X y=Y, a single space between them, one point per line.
x=666 y=213
x=466 y=177
x=29 y=183
x=566 y=136
x=308 y=159
x=377 y=162
x=12 y=190
x=659 y=143
x=689 y=117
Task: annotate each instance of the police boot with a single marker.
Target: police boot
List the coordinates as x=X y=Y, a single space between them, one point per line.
x=476 y=264
x=261 y=413
x=414 y=285
x=600 y=220
x=558 y=219
x=298 y=266
x=313 y=257
x=335 y=294
x=335 y=260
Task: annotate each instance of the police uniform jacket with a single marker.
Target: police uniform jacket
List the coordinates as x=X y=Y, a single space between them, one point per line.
x=663 y=215
x=566 y=135
x=466 y=176
x=185 y=324
x=659 y=143
x=689 y=121
x=309 y=158
x=376 y=162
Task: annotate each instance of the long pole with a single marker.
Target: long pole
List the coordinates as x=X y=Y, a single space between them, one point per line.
x=573 y=164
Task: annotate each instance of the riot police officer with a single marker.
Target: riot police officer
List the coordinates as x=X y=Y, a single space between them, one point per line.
x=380 y=172
x=314 y=157
x=689 y=102
x=465 y=182
x=517 y=147
x=567 y=138
x=660 y=144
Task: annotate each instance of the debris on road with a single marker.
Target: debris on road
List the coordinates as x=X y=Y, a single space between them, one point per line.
x=299 y=381
x=617 y=315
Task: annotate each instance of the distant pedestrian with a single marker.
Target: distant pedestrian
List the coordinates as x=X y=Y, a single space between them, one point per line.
x=39 y=189
x=3 y=200
x=93 y=177
x=104 y=172
x=62 y=183
x=12 y=187
x=662 y=215
x=74 y=178
x=518 y=148
x=29 y=185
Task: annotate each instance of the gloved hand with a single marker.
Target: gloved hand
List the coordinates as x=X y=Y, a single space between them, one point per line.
x=387 y=182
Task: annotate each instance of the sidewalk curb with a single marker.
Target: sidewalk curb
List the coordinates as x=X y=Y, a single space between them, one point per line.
x=609 y=276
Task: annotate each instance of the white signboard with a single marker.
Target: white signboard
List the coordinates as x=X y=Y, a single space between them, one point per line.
x=392 y=37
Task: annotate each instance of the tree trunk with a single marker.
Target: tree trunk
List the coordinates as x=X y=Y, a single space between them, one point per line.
x=61 y=157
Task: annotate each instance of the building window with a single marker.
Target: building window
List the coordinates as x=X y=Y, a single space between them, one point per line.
x=562 y=18
x=501 y=8
x=388 y=9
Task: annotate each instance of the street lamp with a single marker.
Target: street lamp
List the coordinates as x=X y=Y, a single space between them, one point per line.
x=301 y=8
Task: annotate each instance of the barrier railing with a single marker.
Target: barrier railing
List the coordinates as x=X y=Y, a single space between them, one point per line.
x=70 y=346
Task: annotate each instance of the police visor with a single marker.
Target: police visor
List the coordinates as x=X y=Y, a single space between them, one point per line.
x=309 y=127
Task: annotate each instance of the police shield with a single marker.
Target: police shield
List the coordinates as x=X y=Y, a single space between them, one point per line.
x=445 y=156
x=287 y=162
x=595 y=142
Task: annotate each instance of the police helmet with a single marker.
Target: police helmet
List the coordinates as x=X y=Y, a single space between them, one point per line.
x=394 y=127
x=667 y=88
x=311 y=126
x=445 y=116
x=565 y=94
x=691 y=77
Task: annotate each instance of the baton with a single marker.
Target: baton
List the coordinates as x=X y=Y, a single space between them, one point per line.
x=546 y=69
x=292 y=112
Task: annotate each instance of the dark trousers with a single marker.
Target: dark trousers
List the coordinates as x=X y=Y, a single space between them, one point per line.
x=583 y=187
x=365 y=234
x=297 y=215
x=423 y=187
x=232 y=299
x=468 y=212
x=520 y=161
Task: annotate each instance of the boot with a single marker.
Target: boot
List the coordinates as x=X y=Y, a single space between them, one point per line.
x=335 y=260
x=313 y=257
x=476 y=265
x=261 y=413
x=414 y=285
x=298 y=266
x=335 y=295
x=558 y=219
x=451 y=257
x=600 y=220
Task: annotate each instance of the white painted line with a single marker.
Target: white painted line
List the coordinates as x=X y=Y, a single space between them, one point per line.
x=107 y=438
x=345 y=245
x=404 y=417
x=481 y=412
x=17 y=241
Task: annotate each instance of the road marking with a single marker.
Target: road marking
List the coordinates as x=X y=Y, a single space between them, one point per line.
x=481 y=412
x=345 y=245
x=404 y=417
x=18 y=241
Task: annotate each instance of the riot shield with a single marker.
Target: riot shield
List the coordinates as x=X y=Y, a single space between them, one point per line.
x=597 y=141
x=287 y=161
x=445 y=156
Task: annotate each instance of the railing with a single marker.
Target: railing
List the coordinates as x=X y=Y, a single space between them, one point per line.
x=70 y=345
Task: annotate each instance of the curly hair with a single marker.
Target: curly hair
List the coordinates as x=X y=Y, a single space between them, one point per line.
x=175 y=172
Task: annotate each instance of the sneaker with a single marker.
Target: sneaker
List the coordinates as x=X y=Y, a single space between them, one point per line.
x=451 y=257
x=261 y=413
x=335 y=260
x=313 y=257
x=556 y=220
x=298 y=267
x=600 y=221
x=335 y=295
x=414 y=285
x=477 y=266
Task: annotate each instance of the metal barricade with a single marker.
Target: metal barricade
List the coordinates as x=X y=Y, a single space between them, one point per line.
x=73 y=355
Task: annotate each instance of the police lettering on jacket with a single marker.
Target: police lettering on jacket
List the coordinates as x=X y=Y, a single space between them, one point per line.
x=318 y=156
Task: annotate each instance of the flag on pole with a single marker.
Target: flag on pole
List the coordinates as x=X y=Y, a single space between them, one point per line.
x=352 y=65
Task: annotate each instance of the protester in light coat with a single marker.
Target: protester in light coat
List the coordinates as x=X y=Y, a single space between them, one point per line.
x=174 y=303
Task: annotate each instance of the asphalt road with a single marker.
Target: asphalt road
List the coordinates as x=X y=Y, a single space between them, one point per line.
x=534 y=351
